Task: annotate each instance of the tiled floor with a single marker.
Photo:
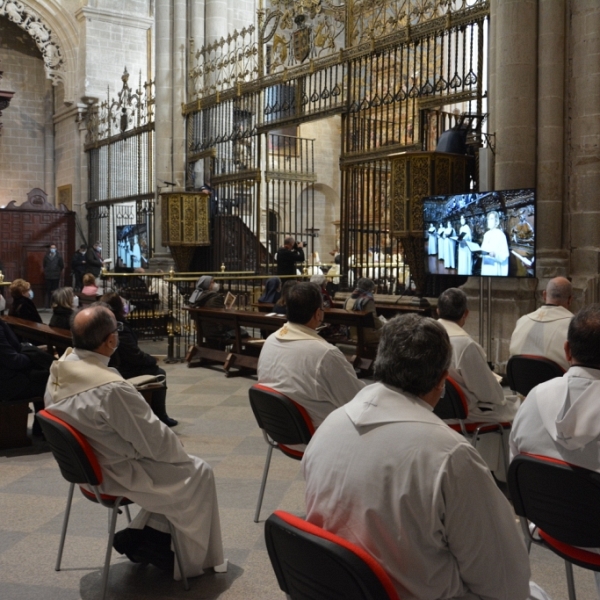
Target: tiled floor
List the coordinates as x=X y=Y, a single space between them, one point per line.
x=216 y=423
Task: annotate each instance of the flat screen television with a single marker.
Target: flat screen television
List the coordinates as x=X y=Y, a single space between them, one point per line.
x=132 y=247
x=484 y=234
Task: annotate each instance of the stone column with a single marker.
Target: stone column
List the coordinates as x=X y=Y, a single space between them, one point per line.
x=215 y=20
x=551 y=253
x=514 y=97
x=583 y=140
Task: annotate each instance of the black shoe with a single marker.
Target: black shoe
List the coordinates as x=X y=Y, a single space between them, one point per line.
x=168 y=421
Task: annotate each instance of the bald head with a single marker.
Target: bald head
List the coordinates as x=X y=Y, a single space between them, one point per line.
x=558 y=292
x=92 y=327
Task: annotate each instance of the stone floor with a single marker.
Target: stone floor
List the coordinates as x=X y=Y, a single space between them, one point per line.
x=215 y=423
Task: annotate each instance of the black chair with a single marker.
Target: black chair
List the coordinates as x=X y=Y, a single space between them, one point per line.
x=562 y=500
x=283 y=423
x=78 y=464
x=313 y=564
x=454 y=405
x=525 y=371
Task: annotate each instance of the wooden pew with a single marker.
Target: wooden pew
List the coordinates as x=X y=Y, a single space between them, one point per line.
x=245 y=352
x=39 y=334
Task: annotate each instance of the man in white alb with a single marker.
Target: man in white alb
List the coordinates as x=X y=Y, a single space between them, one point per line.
x=298 y=362
x=495 y=248
x=544 y=331
x=140 y=457
x=560 y=417
x=387 y=474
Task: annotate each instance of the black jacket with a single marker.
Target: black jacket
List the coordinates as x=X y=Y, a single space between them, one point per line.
x=61 y=317
x=53 y=265
x=129 y=359
x=287 y=259
x=24 y=308
x=93 y=263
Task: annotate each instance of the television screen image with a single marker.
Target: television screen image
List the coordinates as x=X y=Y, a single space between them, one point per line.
x=481 y=234
x=132 y=247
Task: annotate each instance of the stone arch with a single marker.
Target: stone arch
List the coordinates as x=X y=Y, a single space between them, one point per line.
x=55 y=33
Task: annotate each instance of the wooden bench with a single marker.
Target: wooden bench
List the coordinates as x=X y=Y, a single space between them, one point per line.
x=245 y=351
x=390 y=306
x=54 y=338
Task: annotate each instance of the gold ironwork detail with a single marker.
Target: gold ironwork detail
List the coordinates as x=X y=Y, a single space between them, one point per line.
x=290 y=176
x=188 y=218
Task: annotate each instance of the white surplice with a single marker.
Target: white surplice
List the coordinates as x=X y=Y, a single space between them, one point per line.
x=543 y=332
x=494 y=241
x=299 y=363
x=387 y=474
x=140 y=457
x=469 y=368
x=432 y=241
x=441 y=243
x=450 y=250
x=465 y=258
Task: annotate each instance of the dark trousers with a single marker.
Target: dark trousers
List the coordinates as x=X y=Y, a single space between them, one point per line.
x=51 y=285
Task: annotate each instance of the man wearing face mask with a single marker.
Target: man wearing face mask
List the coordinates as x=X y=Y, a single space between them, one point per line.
x=141 y=458
x=93 y=259
x=206 y=296
x=53 y=266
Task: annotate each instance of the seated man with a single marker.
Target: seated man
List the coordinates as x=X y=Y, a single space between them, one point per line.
x=544 y=331
x=22 y=375
x=388 y=475
x=469 y=367
x=560 y=417
x=299 y=363
x=141 y=458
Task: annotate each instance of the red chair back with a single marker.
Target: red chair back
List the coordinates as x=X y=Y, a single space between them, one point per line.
x=525 y=371
x=313 y=564
x=74 y=455
x=284 y=421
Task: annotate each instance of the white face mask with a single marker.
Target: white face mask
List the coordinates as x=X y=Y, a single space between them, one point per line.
x=30 y=294
x=216 y=287
x=75 y=303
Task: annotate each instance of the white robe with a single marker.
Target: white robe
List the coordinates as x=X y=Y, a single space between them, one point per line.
x=494 y=241
x=141 y=458
x=432 y=243
x=449 y=251
x=299 y=363
x=465 y=261
x=441 y=244
x=543 y=332
x=387 y=474
x=470 y=370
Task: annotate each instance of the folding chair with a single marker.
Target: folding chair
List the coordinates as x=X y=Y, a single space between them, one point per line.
x=313 y=564
x=283 y=423
x=562 y=500
x=78 y=464
x=525 y=371
x=454 y=405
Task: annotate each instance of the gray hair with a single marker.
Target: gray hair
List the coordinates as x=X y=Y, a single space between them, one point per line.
x=452 y=304
x=413 y=354
x=320 y=280
x=62 y=297
x=365 y=284
x=584 y=336
x=91 y=334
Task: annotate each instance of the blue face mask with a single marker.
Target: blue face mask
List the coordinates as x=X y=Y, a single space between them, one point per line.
x=52 y=250
x=30 y=294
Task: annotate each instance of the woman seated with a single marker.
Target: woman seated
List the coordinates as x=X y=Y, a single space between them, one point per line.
x=279 y=307
x=89 y=285
x=362 y=299
x=131 y=361
x=63 y=303
x=272 y=291
x=321 y=281
x=22 y=305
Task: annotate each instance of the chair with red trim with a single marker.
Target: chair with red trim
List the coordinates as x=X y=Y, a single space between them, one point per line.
x=454 y=405
x=79 y=465
x=562 y=500
x=313 y=564
x=283 y=423
x=525 y=371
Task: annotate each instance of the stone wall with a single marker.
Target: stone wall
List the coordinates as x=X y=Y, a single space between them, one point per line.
x=23 y=139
